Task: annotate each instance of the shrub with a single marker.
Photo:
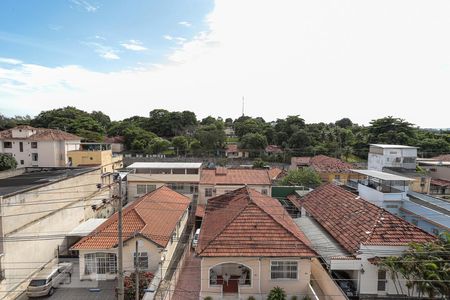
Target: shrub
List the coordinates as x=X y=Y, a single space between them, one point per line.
x=277 y=293
x=307 y=297
x=251 y=298
x=7 y=162
x=294 y=298
x=208 y=298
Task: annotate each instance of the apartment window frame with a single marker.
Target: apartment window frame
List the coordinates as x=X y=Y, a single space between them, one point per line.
x=208 y=192
x=146 y=188
x=91 y=263
x=284 y=270
x=34 y=145
x=34 y=157
x=7 y=145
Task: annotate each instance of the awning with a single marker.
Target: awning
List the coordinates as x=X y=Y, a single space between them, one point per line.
x=86 y=227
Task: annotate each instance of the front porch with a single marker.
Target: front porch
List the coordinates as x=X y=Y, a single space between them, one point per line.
x=230 y=277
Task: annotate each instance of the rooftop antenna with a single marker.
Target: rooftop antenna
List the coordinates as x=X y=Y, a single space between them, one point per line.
x=242 y=105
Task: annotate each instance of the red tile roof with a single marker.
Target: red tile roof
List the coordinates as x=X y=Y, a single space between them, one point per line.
x=440 y=182
x=42 y=134
x=234 y=176
x=324 y=164
x=200 y=211
x=273 y=149
x=352 y=221
x=247 y=223
x=275 y=173
x=231 y=148
x=443 y=157
x=153 y=216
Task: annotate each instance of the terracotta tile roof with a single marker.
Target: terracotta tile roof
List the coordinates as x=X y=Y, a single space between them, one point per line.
x=352 y=221
x=247 y=223
x=231 y=148
x=153 y=216
x=273 y=149
x=200 y=211
x=275 y=173
x=42 y=134
x=234 y=176
x=443 y=157
x=324 y=164
x=440 y=182
x=115 y=139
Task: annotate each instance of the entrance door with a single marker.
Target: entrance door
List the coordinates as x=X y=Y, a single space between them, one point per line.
x=382 y=282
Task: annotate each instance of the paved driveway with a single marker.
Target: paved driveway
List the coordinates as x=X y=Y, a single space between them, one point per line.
x=74 y=289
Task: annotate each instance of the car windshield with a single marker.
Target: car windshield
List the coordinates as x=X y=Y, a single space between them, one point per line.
x=37 y=282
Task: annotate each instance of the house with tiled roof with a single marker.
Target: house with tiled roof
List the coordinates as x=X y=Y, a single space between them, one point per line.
x=220 y=180
x=38 y=147
x=330 y=169
x=249 y=244
x=156 y=220
x=233 y=151
x=350 y=234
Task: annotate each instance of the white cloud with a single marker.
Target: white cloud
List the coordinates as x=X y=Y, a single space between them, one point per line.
x=9 y=61
x=168 y=37
x=176 y=39
x=323 y=60
x=134 y=45
x=103 y=51
x=185 y=24
x=85 y=5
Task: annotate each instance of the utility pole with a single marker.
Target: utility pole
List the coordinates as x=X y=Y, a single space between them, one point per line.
x=136 y=270
x=120 y=290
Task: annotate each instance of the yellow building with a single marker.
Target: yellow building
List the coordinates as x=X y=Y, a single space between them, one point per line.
x=98 y=156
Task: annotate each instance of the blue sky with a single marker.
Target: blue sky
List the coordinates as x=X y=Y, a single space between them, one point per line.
x=98 y=35
x=322 y=60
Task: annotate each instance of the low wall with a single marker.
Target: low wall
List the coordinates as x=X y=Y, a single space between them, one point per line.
x=11 y=173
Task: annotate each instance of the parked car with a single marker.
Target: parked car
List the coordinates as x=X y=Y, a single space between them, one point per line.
x=195 y=239
x=45 y=282
x=345 y=283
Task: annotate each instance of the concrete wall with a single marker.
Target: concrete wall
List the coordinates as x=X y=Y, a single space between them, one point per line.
x=35 y=224
x=379 y=158
x=321 y=278
x=222 y=189
x=261 y=283
x=389 y=201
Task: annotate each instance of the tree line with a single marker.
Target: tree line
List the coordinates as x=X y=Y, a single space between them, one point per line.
x=182 y=133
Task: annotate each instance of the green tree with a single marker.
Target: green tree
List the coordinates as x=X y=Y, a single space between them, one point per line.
x=181 y=144
x=137 y=138
x=7 y=162
x=254 y=142
x=390 y=130
x=259 y=164
x=344 y=123
x=277 y=293
x=303 y=177
x=158 y=145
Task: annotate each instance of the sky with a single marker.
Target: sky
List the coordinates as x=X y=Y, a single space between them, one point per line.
x=322 y=60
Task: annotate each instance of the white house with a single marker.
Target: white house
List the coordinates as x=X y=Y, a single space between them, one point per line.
x=391 y=156
x=38 y=147
x=351 y=234
x=156 y=220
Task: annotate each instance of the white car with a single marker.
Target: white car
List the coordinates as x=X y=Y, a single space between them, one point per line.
x=195 y=239
x=45 y=282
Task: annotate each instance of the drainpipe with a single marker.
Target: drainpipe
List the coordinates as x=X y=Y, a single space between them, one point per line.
x=259 y=277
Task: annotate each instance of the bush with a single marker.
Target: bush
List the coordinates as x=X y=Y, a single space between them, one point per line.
x=7 y=162
x=208 y=298
x=307 y=297
x=294 y=298
x=277 y=293
x=251 y=298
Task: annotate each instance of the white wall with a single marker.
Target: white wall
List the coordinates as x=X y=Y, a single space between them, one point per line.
x=222 y=189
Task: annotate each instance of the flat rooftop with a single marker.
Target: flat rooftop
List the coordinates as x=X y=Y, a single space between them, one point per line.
x=387 y=146
x=164 y=165
x=382 y=175
x=35 y=179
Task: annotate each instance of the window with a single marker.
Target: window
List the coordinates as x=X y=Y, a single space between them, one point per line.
x=435 y=231
x=100 y=263
x=143 y=260
x=381 y=280
x=145 y=188
x=7 y=144
x=409 y=160
x=391 y=206
x=208 y=192
x=22 y=162
x=34 y=156
x=283 y=270
x=33 y=145
x=264 y=191
x=21 y=146
x=173 y=237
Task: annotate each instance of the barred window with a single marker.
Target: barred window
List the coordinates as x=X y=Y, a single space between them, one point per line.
x=283 y=269
x=100 y=263
x=208 y=192
x=145 y=188
x=143 y=260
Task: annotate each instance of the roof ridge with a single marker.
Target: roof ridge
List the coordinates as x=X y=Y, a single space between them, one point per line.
x=372 y=230
x=226 y=225
x=282 y=225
